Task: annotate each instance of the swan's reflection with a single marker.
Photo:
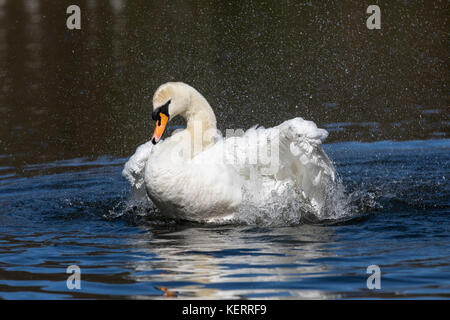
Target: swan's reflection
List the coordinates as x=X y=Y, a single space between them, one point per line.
x=240 y=262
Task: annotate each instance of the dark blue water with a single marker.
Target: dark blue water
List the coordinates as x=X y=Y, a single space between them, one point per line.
x=75 y=212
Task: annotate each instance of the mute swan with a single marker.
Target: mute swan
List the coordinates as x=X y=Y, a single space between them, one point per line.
x=195 y=174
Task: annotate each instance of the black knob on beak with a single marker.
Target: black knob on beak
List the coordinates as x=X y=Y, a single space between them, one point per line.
x=163 y=109
x=155 y=114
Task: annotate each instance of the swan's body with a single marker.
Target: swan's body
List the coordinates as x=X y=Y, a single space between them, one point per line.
x=197 y=175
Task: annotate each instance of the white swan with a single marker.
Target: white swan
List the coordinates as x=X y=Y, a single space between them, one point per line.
x=195 y=174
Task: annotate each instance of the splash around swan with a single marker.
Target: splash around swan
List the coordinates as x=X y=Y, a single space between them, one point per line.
x=198 y=175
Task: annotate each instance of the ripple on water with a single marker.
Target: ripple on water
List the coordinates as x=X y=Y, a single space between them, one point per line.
x=81 y=215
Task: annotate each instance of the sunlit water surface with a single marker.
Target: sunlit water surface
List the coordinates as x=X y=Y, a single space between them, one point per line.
x=62 y=213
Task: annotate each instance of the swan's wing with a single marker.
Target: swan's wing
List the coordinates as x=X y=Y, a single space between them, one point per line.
x=134 y=168
x=270 y=159
x=305 y=162
x=276 y=151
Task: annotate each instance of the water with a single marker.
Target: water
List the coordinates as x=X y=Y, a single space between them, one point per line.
x=75 y=212
x=74 y=106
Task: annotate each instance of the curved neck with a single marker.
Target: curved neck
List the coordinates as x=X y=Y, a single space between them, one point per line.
x=201 y=123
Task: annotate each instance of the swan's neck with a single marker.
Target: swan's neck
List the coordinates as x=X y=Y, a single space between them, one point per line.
x=201 y=123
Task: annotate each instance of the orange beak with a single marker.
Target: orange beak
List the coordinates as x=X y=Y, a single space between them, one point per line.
x=160 y=127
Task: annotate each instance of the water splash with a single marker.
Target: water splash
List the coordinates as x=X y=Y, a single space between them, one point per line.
x=286 y=209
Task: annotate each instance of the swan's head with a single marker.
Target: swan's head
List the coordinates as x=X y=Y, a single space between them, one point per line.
x=169 y=100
